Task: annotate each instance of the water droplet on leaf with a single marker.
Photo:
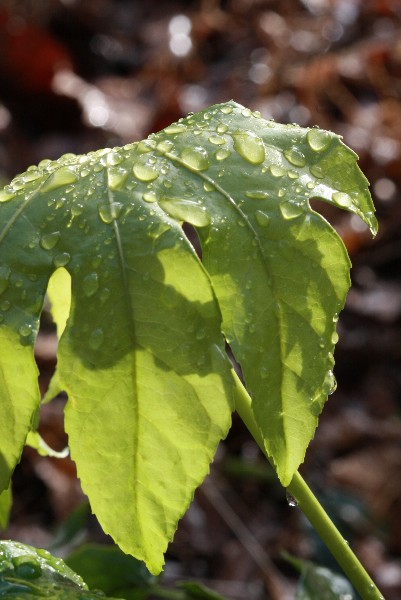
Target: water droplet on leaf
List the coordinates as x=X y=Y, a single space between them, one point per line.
x=186 y=210
x=342 y=199
x=257 y=195
x=249 y=146
x=5 y=196
x=50 y=240
x=175 y=128
x=60 y=178
x=116 y=178
x=195 y=158
x=330 y=383
x=318 y=140
x=96 y=338
x=264 y=373
x=222 y=154
x=144 y=172
x=149 y=197
x=295 y=157
x=316 y=171
x=262 y=218
x=90 y=284
x=290 y=210
x=25 y=330
x=164 y=146
x=217 y=140
x=114 y=158
x=110 y=212
x=62 y=259
x=276 y=170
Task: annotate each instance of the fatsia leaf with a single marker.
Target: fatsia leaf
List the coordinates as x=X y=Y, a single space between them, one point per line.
x=141 y=354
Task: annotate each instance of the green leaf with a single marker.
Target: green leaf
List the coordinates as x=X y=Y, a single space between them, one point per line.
x=6 y=499
x=318 y=582
x=141 y=356
x=108 y=569
x=26 y=572
x=197 y=590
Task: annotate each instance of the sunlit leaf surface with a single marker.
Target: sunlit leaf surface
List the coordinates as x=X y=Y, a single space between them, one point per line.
x=142 y=355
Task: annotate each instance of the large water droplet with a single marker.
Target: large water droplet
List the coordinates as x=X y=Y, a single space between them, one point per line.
x=222 y=154
x=5 y=305
x=145 y=172
x=62 y=259
x=195 y=158
x=217 y=140
x=226 y=110
x=175 y=128
x=291 y=210
x=342 y=199
x=276 y=170
x=5 y=196
x=186 y=210
x=330 y=383
x=110 y=212
x=316 y=171
x=60 y=178
x=318 y=140
x=149 y=196
x=262 y=218
x=164 y=146
x=116 y=178
x=90 y=284
x=25 y=330
x=295 y=157
x=4 y=278
x=50 y=240
x=96 y=338
x=114 y=158
x=249 y=146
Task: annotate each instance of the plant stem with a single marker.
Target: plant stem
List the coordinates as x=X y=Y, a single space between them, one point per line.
x=313 y=510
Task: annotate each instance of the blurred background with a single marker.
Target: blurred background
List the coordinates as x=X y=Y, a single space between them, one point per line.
x=78 y=75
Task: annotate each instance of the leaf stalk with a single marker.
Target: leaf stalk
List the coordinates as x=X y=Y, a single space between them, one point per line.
x=313 y=510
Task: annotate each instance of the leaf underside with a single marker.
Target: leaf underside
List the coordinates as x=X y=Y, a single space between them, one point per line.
x=141 y=356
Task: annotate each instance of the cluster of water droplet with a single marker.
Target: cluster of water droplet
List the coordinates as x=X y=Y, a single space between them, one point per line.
x=145 y=183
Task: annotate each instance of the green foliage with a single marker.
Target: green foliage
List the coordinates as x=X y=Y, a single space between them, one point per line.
x=318 y=583
x=141 y=355
x=106 y=568
x=26 y=573
x=5 y=507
